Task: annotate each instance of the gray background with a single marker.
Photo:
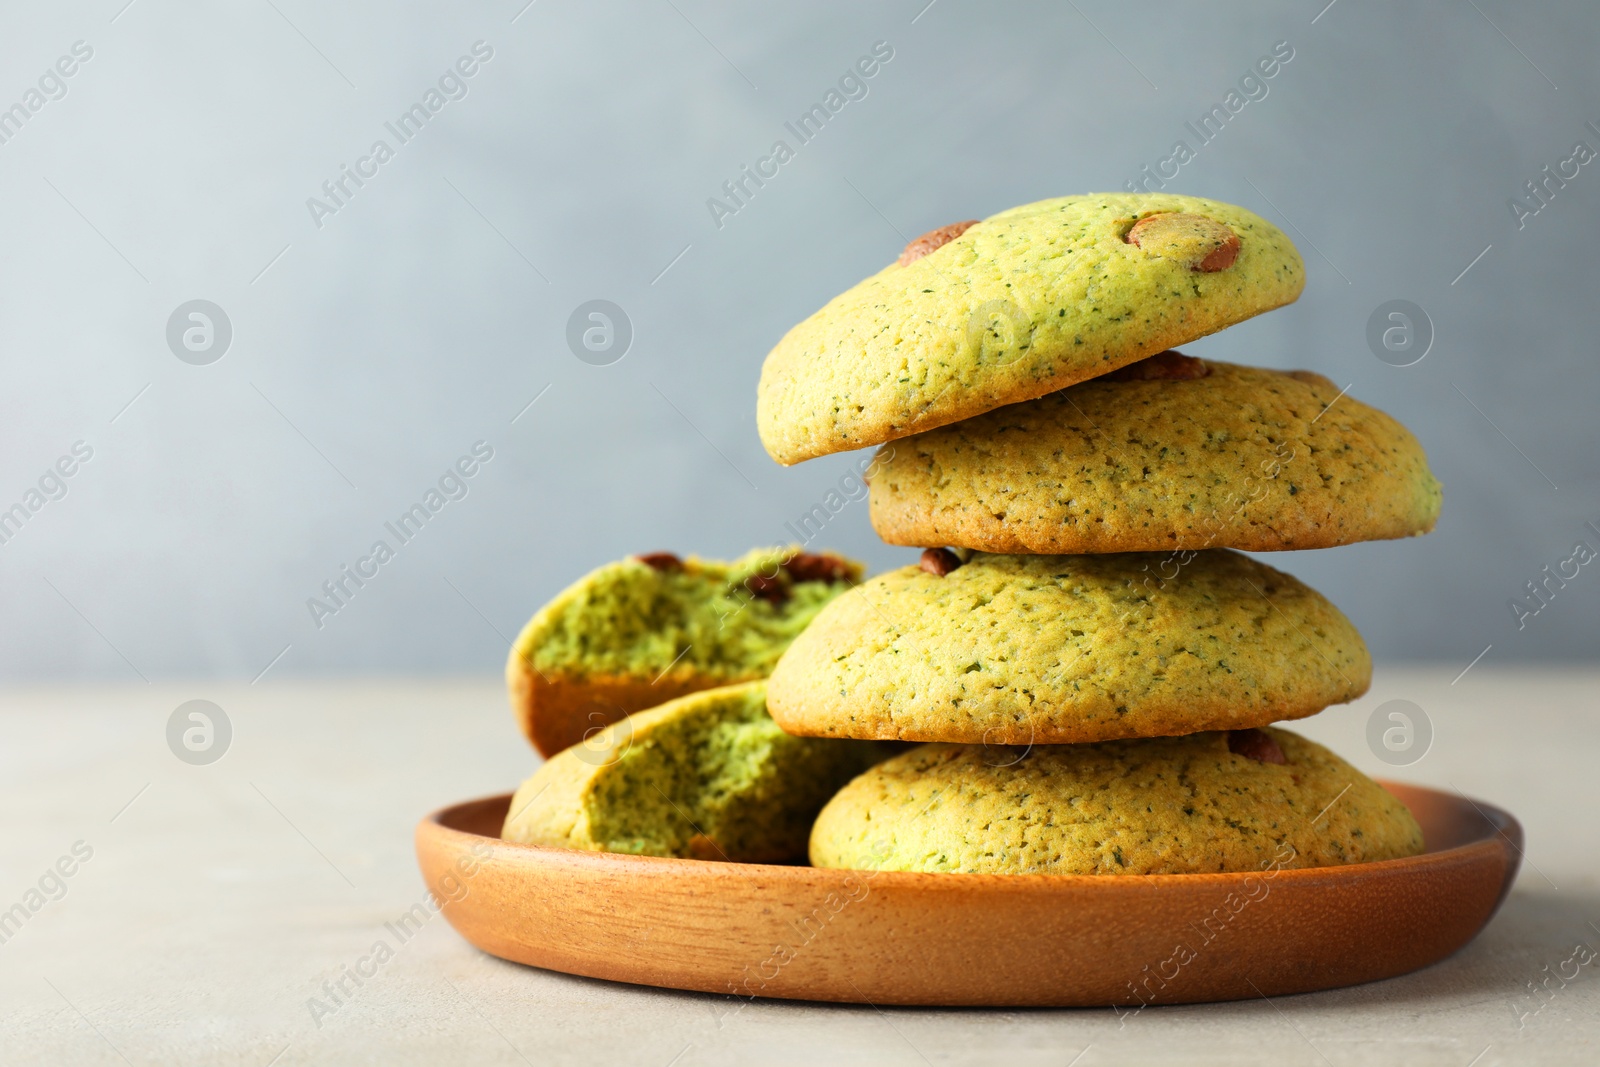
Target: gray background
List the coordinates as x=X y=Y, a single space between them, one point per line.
x=369 y=353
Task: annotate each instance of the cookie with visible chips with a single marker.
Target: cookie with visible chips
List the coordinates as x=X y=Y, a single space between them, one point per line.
x=1016 y=306
x=636 y=633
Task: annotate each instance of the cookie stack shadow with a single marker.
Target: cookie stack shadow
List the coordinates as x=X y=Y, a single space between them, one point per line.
x=1091 y=663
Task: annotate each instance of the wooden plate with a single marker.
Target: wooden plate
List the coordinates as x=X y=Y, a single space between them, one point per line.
x=971 y=939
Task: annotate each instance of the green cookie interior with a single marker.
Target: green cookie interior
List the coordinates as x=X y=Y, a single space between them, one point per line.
x=707 y=776
x=628 y=618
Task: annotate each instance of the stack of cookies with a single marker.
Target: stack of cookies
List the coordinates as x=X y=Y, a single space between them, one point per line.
x=1093 y=664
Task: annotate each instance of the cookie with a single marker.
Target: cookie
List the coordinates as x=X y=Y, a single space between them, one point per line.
x=706 y=776
x=1177 y=454
x=1024 y=303
x=1019 y=650
x=639 y=632
x=1176 y=805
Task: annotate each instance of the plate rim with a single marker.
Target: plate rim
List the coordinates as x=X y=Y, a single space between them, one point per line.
x=721 y=916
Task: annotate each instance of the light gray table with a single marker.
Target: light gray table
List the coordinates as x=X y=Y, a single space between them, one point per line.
x=218 y=899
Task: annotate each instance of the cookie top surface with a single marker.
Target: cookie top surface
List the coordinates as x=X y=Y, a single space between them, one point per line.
x=1176 y=805
x=709 y=619
x=1026 y=302
x=706 y=776
x=1241 y=457
x=1066 y=649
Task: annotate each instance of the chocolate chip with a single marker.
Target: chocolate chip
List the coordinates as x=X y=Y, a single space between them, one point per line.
x=939 y=561
x=1203 y=245
x=934 y=239
x=769 y=589
x=1256 y=745
x=1168 y=366
x=661 y=561
x=818 y=567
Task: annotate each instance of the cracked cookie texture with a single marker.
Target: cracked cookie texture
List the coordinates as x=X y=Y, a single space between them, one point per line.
x=638 y=632
x=1018 y=650
x=1172 y=805
x=707 y=776
x=1022 y=304
x=1241 y=458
